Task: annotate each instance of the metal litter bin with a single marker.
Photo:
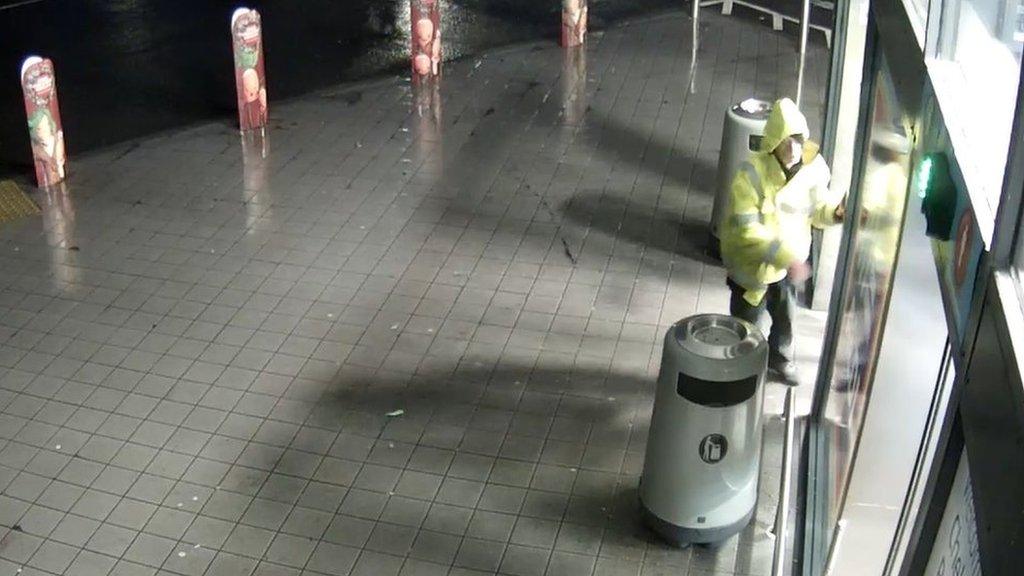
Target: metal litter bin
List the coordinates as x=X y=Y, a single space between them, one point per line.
x=699 y=483
x=741 y=135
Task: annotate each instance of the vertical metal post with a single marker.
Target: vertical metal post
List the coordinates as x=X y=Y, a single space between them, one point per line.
x=805 y=24
x=781 y=527
x=693 y=45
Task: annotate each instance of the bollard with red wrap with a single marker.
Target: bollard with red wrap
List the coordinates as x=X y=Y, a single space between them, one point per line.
x=250 y=80
x=574 y=22
x=425 y=18
x=39 y=86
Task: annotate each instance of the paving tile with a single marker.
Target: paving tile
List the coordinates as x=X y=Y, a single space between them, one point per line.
x=53 y=557
x=492 y=525
x=460 y=492
x=374 y=563
x=290 y=550
x=169 y=522
x=39 y=520
x=74 y=530
x=307 y=522
x=208 y=532
x=413 y=567
x=249 y=541
x=524 y=561
x=418 y=485
x=405 y=511
x=534 y=532
x=435 y=547
x=189 y=560
x=333 y=559
x=126 y=568
x=150 y=549
x=91 y=564
x=226 y=564
x=616 y=567
x=391 y=538
x=563 y=563
x=348 y=530
x=111 y=540
x=502 y=499
x=448 y=519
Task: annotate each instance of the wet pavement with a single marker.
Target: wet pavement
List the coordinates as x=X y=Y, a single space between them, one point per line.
x=414 y=334
x=130 y=68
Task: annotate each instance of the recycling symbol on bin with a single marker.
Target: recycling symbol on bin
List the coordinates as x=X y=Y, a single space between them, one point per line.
x=713 y=448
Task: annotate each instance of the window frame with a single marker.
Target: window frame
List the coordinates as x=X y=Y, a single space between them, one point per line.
x=1008 y=243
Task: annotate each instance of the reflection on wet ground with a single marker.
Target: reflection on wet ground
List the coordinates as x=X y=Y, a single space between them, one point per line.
x=128 y=68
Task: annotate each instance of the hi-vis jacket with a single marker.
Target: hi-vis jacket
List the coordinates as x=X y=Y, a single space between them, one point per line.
x=767 y=223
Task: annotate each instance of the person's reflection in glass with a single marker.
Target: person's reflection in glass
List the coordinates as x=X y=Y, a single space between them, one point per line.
x=883 y=197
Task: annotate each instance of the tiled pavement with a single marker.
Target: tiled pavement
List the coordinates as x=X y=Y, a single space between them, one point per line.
x=198 y=354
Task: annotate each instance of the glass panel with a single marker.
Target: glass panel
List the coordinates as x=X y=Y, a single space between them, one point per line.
x=981 y=41
x=865 y=296
x=986 y=33
x=926 y=467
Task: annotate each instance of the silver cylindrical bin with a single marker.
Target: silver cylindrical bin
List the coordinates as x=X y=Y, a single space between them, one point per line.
x=699 y=483
x=741 y=135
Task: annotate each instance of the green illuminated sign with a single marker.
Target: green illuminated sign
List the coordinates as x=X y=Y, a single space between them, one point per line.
x=924 y=176
x=938 y=194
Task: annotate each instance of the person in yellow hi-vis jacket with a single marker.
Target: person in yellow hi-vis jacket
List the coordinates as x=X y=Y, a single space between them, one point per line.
x=777 y=195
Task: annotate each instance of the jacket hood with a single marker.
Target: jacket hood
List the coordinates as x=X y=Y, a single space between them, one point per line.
x=784 y=121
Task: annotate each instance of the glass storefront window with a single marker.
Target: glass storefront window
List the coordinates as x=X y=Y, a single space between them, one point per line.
x=975 y=71
x=986 y=33
x=874 y=241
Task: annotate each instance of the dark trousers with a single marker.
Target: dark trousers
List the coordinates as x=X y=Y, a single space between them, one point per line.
x=780 y=304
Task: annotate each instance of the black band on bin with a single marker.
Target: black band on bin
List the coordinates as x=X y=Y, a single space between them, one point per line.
x=716 y=394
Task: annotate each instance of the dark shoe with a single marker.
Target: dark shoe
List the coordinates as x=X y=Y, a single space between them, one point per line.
x=786 y=371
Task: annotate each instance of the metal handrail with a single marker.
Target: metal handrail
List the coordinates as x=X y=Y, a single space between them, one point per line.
x=781 y=527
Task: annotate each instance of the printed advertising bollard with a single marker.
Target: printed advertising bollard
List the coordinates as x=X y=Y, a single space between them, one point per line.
x=574 y=22
x=250 y=80
x=45 y=131
x=425 y=18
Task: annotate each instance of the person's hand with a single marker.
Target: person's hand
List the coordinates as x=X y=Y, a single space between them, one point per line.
x=798 y=272
x=840 y=212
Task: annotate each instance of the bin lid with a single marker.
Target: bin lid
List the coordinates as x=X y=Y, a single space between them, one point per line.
x=752 y=109
x=720 y=347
